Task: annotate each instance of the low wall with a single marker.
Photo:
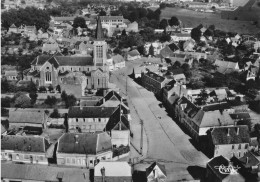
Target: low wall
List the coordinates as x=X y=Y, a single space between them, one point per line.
x=121 y=156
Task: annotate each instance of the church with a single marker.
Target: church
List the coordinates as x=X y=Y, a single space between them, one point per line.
x=58 y=69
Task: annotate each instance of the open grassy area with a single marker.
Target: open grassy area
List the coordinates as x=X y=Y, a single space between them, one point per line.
x=193 y=19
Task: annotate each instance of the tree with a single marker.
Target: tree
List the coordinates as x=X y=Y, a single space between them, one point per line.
x=79 y=22
x=202 y=97
x=55 y=113
x=42 y=89
x=33 y=97
x=141 y=50
x=151 y=50
x=6 y=102
x=163 y=24
x=70 y=101
x=162 y=6
x=123 y=33
x=174 y=21
x=22 y=101
x=185 y=67
x=50 y=88
x=177 y=64
x=133 y=16
x=51 y=100
x=102 y=13
x=165 y=38
x=64 y=96
x=58 y=88
x=196 y=34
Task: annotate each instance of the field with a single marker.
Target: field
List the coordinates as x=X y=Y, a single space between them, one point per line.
x=192 y=19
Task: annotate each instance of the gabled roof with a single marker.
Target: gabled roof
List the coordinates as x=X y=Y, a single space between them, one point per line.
x=113 y=169
x=249 y=160
x=240 y=116
x=173 y=47
x=150 y=169
x=230 y=135
x=133 y=53
x=11 y=73
x=22 y=116
x=35 y=172
x=112 y=95
x=86 y=143
x=13 y=26
x=167 y=52
x=155 y=76
x=217 y=106
x=118 y=59
x=24 y=143
x=111 y=17
x=3 y=129
x=50 y=47
x=116 y=118
x=90 y=112
x=190 y=108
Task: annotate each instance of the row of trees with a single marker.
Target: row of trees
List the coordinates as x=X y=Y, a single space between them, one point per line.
x=27 y=16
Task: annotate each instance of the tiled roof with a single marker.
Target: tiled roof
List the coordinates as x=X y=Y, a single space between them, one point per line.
x=24 y=143
x=118 y=59
x=22 y=116
x=155 y=76
x=218 y=106
x=133 y=53
x=71 y=80
x=11 y=73
x=173 y=47
x=190 y=108
x=35 y=172
x=111 y=17
x=50 y=47
x=114 y=169
x=249 y=160
x=167 y=52
x=237 y=135
x=86 y=143
x=90 y=112
x=74 y=61
x=151 y=167
x=240 y=116
x=116 y=118
x=112 y=95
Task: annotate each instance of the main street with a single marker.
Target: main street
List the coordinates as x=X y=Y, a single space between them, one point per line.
x=166 y=142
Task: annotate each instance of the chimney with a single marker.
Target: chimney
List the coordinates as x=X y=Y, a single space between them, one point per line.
x=228 y=132
x=103 y=173
x=237 y=130
x=76 y=139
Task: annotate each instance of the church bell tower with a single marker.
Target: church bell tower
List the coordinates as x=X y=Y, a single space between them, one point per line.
x=100 y=47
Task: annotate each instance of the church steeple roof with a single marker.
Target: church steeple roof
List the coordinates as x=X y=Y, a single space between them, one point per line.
x=99 y=31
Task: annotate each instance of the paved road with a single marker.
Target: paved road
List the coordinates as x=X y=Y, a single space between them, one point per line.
x=166 y=142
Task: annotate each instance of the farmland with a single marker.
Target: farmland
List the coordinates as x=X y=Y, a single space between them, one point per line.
x=193 y=18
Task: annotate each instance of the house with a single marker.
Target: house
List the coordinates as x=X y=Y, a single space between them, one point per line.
x=118 y=61
x=199 y=120
x=132 y=27
x=50 y=48
x=41 y=173
x=257 y=46
x=111 y=99
x=226 y=67
x=3 y=130
x=156 y=172
x=229 y=141
x=218 y=94
x=45 y=69
x=118 y=127
x=137 y=71
x=13 y=29
x=157 y=47
x=154 y=82
x=249 y=166
x=181 y=78
x=133 y=55
x=180 y=37
x=220 y=169
x=83 y=149
x=88 y=119
x=26 y=149
x=168 y=50
x=21 y=118
x=112 y=171
x=11 y=75
x=189 y=45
